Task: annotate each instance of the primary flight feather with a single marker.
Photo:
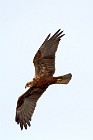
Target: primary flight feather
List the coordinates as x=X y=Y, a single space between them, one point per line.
x=44 y=62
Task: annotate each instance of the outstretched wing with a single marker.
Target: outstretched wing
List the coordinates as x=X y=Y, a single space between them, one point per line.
x=44 y=60
x=26 y=105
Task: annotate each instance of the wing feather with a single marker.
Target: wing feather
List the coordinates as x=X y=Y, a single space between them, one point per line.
x=44 y=60
x=26 y=105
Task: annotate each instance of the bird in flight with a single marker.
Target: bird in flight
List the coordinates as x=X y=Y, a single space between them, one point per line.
x=44 y=62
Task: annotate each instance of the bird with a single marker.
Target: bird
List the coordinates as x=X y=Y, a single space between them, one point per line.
x=44 y=63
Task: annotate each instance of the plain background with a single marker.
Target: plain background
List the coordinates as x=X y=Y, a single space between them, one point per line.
x=64 y=112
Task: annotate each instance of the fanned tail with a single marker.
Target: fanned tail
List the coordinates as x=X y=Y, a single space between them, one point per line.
x=64 y=79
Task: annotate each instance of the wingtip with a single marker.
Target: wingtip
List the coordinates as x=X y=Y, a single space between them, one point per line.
x=60 y=30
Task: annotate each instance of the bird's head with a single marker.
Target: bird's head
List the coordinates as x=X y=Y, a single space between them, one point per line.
x=29 y=84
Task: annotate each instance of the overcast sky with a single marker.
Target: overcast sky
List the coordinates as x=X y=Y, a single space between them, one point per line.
x=64 y=112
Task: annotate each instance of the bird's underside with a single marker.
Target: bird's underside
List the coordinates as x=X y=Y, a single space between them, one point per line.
x=44 y=62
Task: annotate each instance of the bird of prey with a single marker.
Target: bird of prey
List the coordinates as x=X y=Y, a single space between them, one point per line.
x=44 y=62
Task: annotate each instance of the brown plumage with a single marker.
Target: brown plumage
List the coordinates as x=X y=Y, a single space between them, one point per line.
x=44 y=62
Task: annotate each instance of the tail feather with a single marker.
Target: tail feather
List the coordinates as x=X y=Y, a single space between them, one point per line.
x=64 y=79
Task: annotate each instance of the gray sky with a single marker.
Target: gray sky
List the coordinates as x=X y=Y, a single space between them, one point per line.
x=64 y=112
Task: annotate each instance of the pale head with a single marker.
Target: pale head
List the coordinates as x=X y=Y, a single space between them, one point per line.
x=29 y=84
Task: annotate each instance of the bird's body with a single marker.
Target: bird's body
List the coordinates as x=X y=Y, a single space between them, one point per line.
x=44 y=62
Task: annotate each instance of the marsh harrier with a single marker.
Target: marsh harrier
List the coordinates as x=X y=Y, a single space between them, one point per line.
x=44 y=62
